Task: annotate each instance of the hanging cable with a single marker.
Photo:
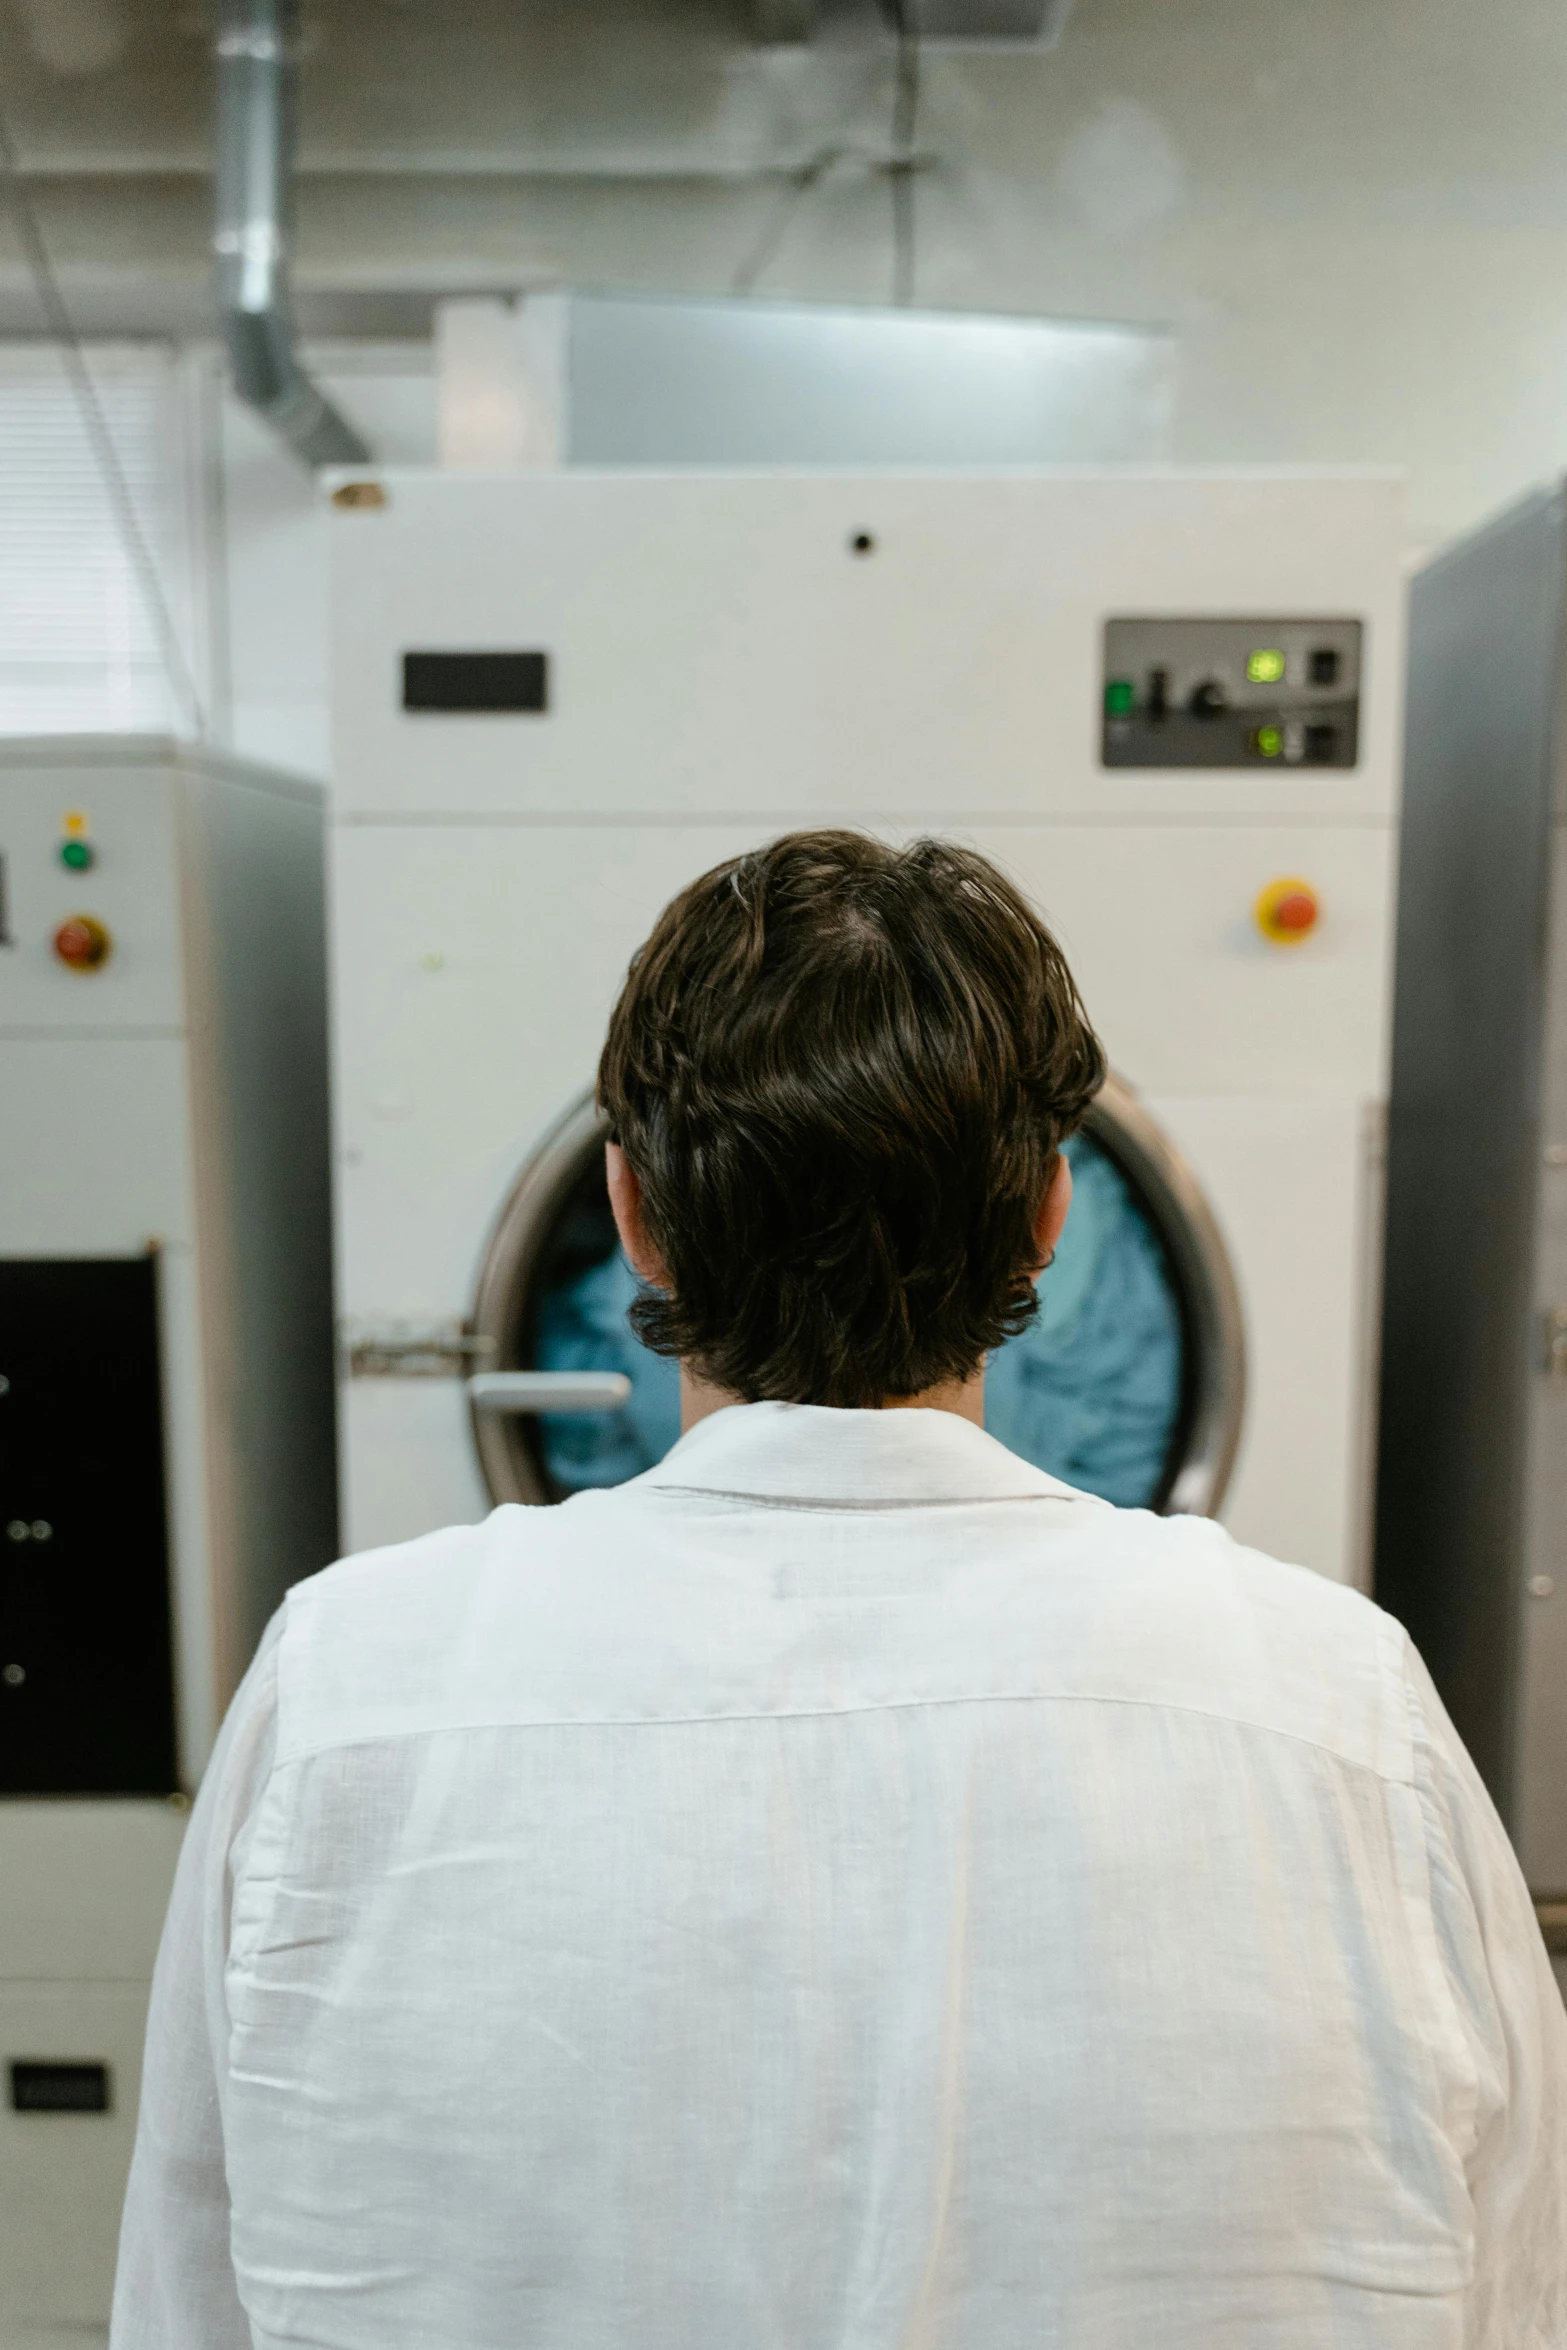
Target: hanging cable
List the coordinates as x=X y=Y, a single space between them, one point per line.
x=901 y=165
x=795 y=189
x=95 y=423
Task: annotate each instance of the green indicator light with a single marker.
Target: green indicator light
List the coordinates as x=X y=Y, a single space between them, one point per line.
x=1120 y=698
x=76 y=855
x=1267 y=742
x=1265 y=667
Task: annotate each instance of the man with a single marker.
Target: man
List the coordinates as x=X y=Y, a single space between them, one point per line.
x=844 y=1889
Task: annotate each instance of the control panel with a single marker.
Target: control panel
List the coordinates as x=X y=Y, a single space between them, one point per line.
x=1264 y=693
x=89 y=913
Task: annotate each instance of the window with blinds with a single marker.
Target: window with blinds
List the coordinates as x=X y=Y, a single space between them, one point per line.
x=78 y=650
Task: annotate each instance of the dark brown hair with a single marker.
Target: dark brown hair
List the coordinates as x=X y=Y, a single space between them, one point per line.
x=841 y=1073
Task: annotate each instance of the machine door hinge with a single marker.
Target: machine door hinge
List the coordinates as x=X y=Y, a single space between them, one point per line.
x=445 y=1350
x=411 y=1350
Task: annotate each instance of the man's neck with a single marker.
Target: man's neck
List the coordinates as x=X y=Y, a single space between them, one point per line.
x=966 y=1397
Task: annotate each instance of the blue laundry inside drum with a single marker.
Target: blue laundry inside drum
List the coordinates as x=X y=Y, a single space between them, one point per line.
x=1091 y=1391
x=582 y=1326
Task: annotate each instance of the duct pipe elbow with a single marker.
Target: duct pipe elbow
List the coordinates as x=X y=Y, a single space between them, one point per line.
x=255 y=54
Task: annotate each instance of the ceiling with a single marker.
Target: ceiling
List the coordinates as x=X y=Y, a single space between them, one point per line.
x=1354 y=212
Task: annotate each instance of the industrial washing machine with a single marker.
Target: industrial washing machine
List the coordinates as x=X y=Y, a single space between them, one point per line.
x=166 y=1400
x=1168 y=704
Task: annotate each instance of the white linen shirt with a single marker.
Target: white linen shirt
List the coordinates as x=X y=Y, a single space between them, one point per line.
x=844 y=1890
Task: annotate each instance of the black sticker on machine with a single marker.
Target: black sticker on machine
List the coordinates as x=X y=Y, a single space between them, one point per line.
x=476 y=682
x=40 y=2086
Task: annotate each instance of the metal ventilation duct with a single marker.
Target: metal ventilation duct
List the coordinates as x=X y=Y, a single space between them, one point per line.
x=256 y=46
x=1037 y=22
x=989 y=20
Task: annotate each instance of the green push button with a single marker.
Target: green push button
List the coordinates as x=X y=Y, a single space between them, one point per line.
x=75 y=855
x=1120 y=697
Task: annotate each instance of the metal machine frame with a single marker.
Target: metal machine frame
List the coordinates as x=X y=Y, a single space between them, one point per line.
x=1472 y=1491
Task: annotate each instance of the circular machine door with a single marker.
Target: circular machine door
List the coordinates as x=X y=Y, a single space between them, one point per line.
x=1130 y=1383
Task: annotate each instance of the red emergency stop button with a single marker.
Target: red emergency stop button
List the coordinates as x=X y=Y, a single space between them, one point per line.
x=82 y=943
x=1288 y=911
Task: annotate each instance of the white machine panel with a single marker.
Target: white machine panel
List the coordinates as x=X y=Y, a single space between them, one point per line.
x=62 y=2174
x=714 y=662
x=715 y=645
x=131 y=885
x=68 y=1192
x=165 y=1403
x=478 y=966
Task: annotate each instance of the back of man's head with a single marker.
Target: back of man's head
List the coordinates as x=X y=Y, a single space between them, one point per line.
x=841 y=1074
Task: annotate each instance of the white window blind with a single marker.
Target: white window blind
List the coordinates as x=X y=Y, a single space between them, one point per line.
x=79 y=652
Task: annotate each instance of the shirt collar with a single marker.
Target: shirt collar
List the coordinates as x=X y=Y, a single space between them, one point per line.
x=801 y=1452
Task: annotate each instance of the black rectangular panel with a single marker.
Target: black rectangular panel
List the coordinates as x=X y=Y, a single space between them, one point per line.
x=1271 y=695
x=39 y=2086
x=476 y=681
x=86 y=1665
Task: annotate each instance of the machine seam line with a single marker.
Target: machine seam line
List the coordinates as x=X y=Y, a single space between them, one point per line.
x=967 y=819
x=151 y=1033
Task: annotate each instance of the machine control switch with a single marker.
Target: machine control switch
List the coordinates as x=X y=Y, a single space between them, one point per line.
x=82 y=943
x=1265 y=694
x=1287 y=911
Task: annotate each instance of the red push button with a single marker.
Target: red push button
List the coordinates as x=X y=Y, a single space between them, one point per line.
x=1288 y=911
x=82 y=943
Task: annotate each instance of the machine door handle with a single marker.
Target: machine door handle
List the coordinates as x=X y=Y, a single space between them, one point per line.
x=548 y=1391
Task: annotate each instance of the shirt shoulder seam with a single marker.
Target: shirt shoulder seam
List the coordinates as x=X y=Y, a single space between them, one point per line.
x=833 y=1505
x=604 y=1721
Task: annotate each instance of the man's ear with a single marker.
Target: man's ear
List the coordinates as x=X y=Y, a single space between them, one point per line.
x=625 y=1205
x=1051 y=1219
